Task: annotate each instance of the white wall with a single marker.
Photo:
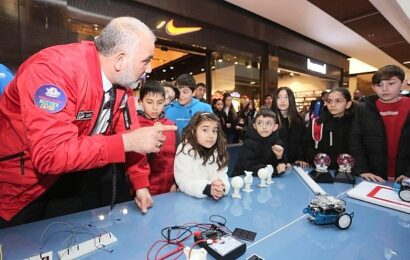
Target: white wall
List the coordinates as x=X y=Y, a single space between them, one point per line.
x=303 y=83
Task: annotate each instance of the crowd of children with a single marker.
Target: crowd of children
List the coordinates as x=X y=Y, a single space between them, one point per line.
x=376 y=132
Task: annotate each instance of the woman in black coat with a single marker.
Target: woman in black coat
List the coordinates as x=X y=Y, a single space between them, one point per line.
x=231 y=119
x=292 y=126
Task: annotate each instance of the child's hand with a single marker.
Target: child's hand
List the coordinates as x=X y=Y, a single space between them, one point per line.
x=281 y=168
x=278 y=151
x=217 y=188
x=228 y=125
x=400 y=178
x=302 y=164
x=371 y=177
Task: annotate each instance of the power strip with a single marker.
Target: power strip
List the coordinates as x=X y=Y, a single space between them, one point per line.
x=86 y=247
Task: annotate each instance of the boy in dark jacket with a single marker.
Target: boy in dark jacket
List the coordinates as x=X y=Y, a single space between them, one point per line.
x=261 y=145
x=380 y=132
x=152 y=102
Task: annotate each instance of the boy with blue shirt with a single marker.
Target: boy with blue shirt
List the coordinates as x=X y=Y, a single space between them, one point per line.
x=182 y=110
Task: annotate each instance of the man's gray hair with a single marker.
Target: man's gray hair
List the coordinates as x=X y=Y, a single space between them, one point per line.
x=122 y=34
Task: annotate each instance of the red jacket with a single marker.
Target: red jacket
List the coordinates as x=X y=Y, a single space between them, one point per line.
x=40 y=144
x=161 y=176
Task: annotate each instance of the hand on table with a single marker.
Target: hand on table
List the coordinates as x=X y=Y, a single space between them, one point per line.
x=281 y=168
x=143 y=199
x=371 y=177
x=217 y=188
x=302 y=164
x=400 y=178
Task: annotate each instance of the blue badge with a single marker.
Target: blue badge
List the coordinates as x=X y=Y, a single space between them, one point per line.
x=50 y=98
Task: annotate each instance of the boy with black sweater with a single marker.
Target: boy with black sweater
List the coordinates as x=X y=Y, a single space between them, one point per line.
x=381 y=129
x=261 y=145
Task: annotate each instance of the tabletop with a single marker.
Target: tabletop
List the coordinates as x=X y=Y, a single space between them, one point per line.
x=275 y=213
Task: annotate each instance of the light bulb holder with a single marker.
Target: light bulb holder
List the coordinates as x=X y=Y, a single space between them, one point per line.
x=321 y=173
x=345 y=173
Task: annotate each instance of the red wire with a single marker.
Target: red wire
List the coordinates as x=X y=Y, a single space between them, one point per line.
x=180 y=245
x=152 y=246
x=176 y=250
x=179 y=248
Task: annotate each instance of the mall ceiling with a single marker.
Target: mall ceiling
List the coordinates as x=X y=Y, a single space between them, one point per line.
x=364 y=19
x=373 y=31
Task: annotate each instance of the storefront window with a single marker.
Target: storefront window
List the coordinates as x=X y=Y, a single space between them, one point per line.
x=306 y=87
x=236 y=75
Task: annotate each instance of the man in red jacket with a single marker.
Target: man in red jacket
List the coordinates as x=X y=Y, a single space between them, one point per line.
x=70 y=109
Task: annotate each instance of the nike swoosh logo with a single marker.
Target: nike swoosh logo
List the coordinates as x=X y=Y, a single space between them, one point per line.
x=173 y=30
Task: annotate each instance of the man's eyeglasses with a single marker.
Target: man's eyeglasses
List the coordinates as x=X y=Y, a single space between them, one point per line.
x=337 y=101
x=266 y=124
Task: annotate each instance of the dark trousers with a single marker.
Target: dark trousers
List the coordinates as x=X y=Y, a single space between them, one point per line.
x=75 y=192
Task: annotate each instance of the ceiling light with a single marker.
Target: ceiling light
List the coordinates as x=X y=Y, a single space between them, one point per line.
x=406 y=62
x=236 y=63
x=253 y=82
x=278 y=70
x=291 y=74
x=220 y=60
x=160 y=24
x=171 y=68
x=164 y=70
x=213 y=67
x=190 y=73
x=202 y=69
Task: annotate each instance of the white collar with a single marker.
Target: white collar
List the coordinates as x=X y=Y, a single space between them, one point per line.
x=107 y=85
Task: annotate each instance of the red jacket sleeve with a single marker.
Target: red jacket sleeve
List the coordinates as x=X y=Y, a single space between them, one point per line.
x=137 y=166
x=52 y=138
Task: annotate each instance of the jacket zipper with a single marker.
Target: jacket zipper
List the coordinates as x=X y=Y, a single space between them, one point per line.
x=9 y=157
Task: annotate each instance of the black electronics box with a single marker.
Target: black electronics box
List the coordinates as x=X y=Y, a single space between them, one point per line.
x=221 y=245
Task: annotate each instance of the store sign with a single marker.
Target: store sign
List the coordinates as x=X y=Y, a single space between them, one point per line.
x=173 y=30
x=235 y=94
x=316 y=67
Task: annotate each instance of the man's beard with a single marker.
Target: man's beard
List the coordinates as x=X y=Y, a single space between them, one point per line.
x=126 y=79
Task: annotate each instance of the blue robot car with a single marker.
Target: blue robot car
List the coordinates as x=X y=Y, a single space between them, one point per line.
x=325 y=209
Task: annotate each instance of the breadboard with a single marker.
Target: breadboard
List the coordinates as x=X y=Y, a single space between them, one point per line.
x=87 y=247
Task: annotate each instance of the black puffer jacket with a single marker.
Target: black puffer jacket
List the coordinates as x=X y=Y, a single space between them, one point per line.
x=256 y=152
x=368 y=141
x=333 y=145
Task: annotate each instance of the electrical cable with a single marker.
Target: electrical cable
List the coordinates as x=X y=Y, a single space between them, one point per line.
x=176 y=235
